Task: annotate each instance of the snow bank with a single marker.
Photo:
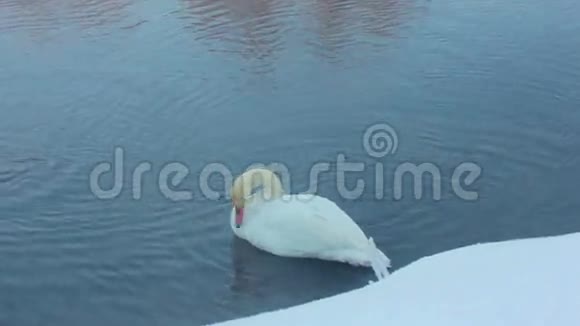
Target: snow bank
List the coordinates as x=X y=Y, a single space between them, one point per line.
x=523 y=282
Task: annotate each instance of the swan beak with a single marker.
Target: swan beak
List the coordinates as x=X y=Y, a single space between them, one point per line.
x=239 y=217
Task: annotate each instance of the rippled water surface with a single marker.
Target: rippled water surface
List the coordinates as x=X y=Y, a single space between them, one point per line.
x=243 y=81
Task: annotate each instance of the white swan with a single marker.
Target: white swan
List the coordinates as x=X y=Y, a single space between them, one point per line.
x=307 y=226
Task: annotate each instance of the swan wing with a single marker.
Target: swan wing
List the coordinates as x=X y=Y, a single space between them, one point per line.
x=313 y=227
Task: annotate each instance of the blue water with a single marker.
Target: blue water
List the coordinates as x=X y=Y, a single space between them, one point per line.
x=492 y=82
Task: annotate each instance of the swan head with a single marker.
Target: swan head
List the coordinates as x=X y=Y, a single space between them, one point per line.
x=254 y=185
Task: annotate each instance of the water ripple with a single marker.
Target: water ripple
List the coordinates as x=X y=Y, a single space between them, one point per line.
x=44 y=16
x=261 y=29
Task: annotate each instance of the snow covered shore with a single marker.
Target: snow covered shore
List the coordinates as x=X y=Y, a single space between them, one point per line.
x=521 y=282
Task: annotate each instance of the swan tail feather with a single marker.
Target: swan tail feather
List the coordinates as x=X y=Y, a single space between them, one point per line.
x=380 y=263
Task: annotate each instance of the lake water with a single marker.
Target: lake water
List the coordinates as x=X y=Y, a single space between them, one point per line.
x=224 y=84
